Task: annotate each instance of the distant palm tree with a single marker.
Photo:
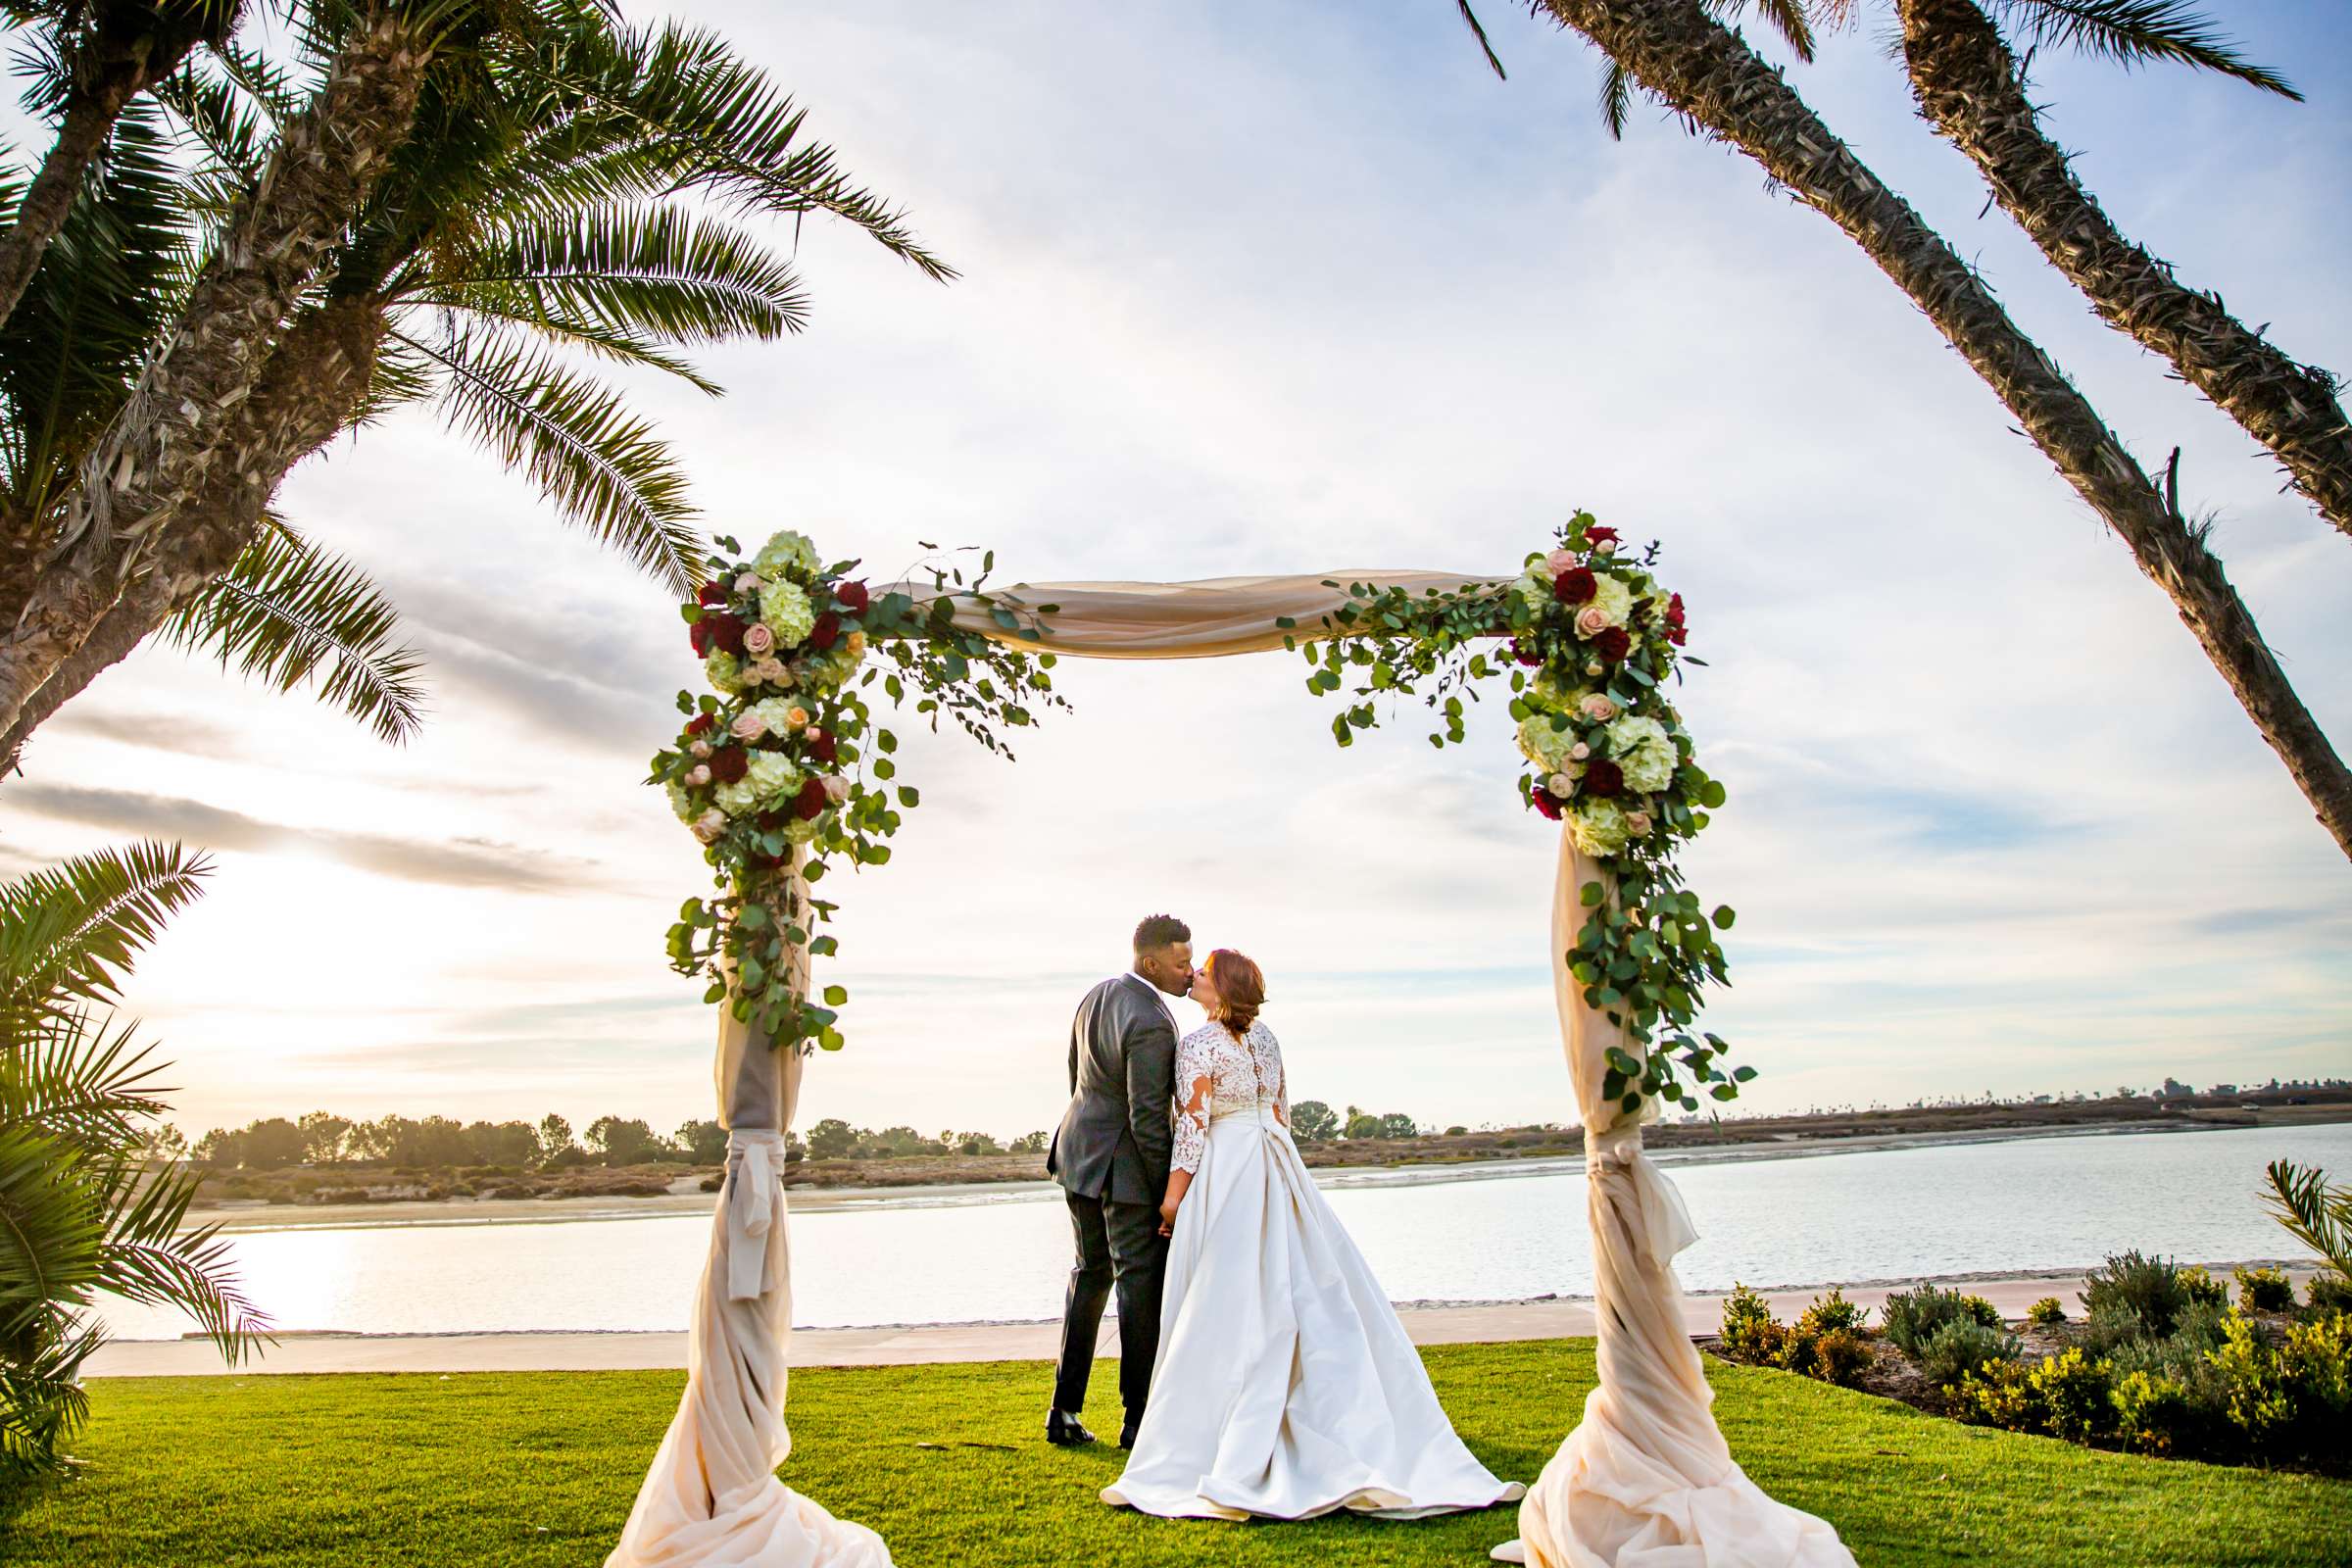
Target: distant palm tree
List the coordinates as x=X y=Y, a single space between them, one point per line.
x=83 y=1209
x=1680 y=51
x=549 y=198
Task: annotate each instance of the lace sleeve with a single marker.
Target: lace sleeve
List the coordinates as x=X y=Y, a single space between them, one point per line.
x=1194 y=1078
x=1281 y=1078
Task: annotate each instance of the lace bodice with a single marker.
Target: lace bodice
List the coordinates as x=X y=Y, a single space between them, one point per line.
x=1216 y=1073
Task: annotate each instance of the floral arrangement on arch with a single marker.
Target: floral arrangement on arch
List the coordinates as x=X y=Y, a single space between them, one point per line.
x=1593 y=638
x=780 y=767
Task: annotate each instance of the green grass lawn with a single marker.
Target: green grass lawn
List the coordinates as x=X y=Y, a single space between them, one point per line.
x=946 y=1461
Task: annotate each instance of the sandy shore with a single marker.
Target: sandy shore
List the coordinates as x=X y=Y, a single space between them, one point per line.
x=1428 y=1322
x=818 y=1199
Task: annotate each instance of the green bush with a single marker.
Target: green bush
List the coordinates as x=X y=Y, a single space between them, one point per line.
x=1959 y=1347
x=2150 y=1288
x=1913 y=1317
x=1750 y=1333
x=2153 y=1415
x=1831 y=1311
x=1840 y=1356
x=2047 y=1312
x=2264 y=1290
x=2065 y=1396
x=2202 y=1288
x=2330 y=1293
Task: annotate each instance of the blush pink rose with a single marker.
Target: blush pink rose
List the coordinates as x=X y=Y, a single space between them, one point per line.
x=696 y=777
x=810 y=733
x=749 y=583
x=1580 y=750
x=710 y=825
x=1596 y=707
x=701 y=747
x=837 y=788
x=1557 y=562
x=772 y=671
x=748 y=726
x=758 y=640
x=1638 y=823
x=1562 y=785
x=1590 y=619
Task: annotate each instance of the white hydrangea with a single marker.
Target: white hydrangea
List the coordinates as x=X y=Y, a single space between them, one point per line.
x=776 y=714
x=680 y=802
x=787 y=554
x=1534 y=587
x=1597 y=828
x=1641 y=747
x=769 y=780
x=1544 y=745
x=1547 y=692
x=1611 y=597
x=799 y=830
x=785 y=609
x=724 y=671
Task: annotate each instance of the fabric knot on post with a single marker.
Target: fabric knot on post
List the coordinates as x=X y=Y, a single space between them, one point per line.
x=1615 y=1164
x=754 y=1194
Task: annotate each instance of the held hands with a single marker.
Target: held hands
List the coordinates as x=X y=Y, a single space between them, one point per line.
x=1167 y=1213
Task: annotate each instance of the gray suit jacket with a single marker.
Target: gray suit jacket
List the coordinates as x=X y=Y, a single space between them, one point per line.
x=1114 y=1142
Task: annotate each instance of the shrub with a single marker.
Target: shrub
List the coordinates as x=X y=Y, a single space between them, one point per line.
x=715 y=1181
x=2150 y=1288
x=1960 y=1346
x=1830 y=1312
x=2330 y=1293
x=2255 y=1397
x=1913 y=1317
x=2202 y=1288
x=1750 y=1333
x=2153 y=1415
x=2264 y=1290
x=2047 y=1312
x=1457 y=1132
x=1840 y=1356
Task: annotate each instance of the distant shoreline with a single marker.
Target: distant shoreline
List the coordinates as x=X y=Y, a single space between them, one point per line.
x=955 y=1185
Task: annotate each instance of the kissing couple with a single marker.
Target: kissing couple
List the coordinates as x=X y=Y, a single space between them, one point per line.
x=1263 y=1371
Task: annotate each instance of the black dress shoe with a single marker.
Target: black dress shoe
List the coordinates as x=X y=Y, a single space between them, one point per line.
x=1127 y=1433
x=1066 y=1431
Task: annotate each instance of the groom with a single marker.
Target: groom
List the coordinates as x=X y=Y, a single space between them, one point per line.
x=1110 y=1154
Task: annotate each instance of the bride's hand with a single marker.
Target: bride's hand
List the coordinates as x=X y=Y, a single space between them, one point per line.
x=1167 y=1217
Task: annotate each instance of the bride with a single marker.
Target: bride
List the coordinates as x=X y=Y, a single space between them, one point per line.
x=1286 y=1386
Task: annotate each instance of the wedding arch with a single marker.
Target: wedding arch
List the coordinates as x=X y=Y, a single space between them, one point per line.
x=783 y=769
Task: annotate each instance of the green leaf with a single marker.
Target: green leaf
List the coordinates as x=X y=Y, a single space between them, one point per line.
x=836 y=995
x=1591 y=893
x=1724 y=917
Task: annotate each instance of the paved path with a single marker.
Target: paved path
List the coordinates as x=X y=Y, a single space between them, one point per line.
x=901 y=1347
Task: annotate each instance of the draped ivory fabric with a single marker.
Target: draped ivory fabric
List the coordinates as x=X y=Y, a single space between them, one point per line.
x=1200 y=620
x=1645 y=1480
x=711 y=1498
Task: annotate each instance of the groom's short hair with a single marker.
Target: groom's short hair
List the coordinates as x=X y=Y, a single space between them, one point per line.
x=1161 y=931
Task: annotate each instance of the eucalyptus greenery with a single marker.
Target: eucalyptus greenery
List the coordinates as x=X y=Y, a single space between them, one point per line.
x=1593 y=642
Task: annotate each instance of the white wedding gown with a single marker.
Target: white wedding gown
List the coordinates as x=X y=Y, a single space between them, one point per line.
x=1286 y=1385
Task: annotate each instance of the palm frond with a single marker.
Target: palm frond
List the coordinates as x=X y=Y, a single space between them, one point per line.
x=148 y=1256
x=1790 y=19
x=601 y=466
x=289 y=615
x=70 y=930
x=42 y=1399
x=2320 y=1216
x=52 y=1231
x=1478 y=31
x=91 y=1087
x=1616 y=96
x=2133 y=32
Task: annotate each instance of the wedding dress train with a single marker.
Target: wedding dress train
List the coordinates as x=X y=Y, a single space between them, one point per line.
x=1286 y=1385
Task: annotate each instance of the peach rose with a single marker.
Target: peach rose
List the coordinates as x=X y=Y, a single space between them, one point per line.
x=749 y=726
x=797 y=718
x=837 y=789
x=696 y=777
x=1598 y=706
x=757 y=639
x=1592 y=621
x=700 y=748
x=1638 y=823
x=710 y=825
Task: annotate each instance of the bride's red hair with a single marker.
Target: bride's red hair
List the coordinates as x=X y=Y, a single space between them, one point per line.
x=1241 y=989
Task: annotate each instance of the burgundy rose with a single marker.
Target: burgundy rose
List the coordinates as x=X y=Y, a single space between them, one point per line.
x=729 y=764
x=1603 y=778
x=1546 y=801
x=710 y=593
x=1676 y=631
x=823 y=749
x=699 y=724
x=768 y=821
x=699 y=634
x=826 y=632
x=1575 y=586
x=851 y=597
x=727 y=631
x=811 y=803
x=1598 y=536
x=1613 y=644
x=1526 y=653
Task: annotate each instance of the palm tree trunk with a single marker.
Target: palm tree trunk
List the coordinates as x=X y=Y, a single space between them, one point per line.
x=314 y=383
x=163 y=450
x=1967 y=83
x=129 y=54
x=1710 y=76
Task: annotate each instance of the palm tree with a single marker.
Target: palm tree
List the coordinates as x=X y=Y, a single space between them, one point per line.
x=1680 y=53
x=1969 y=88
x=2313 y=1213
x=91 y=59
x=83 y=1209
x=550 y=200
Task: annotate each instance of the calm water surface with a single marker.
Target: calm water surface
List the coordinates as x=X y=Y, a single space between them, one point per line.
x=2034 y=1203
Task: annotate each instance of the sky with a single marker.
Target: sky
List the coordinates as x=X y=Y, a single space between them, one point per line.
x=1289 y=288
